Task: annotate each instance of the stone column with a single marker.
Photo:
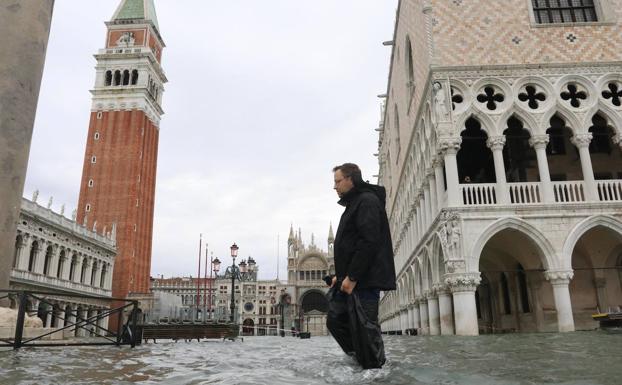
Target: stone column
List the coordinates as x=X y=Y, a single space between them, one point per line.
x=54 y=262
x=440 y=184
x=60 y=317
x=539 y=142
x=22 y=253
x=560 y=279
x=416 y=320
x=404 y=319
x=25 y=28
x=534 y=280
x=427 y=204
x=48 y=317
x=463 y=286
x=66 y=265
x=435 y=327
x=423 y=313
x=418 y=219
x=71 y=331
x=40 y=258
x=445 y=311
x=496 y=144
x=77 y=273
x=582 y=141
x=434 y=202
x=88 y=271
x=109 y=277
x=411 y=321
x=83 y=315
x=601 y=291
x=449 y=147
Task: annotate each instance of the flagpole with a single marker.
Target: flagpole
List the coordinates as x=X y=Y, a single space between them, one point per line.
x=205 y=283
x=198 y=278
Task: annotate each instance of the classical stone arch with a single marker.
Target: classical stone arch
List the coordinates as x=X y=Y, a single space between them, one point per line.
x=581 y=228
x=547 y=251
x=314 y=300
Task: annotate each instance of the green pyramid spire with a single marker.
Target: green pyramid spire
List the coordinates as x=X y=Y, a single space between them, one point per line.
x=136 y=9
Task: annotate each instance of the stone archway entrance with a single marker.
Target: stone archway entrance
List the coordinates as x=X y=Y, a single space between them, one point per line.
x=597 y=282
x=314 y=310
x=513 y=295
x=248 y=327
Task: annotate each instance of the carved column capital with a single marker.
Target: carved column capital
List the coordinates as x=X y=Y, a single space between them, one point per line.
x=496 y=142
x=539 y=141
x=600 y=282
x=581 y=140
x=449 y=145
x=459 y=282
x=559 y=277
x=441 y=289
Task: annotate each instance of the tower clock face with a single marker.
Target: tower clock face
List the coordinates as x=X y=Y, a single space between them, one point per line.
x=248 y=306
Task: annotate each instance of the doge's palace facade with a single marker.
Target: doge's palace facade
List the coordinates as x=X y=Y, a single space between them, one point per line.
x=500 y=148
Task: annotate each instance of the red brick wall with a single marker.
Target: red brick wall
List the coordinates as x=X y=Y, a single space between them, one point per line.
x=126 y=149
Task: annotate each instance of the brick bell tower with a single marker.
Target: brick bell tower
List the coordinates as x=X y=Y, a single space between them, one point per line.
x=119 y=172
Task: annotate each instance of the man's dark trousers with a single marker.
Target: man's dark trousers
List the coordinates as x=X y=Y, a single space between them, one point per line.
x=338 y=318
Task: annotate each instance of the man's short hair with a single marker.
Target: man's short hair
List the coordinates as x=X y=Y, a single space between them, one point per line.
x=350 y=170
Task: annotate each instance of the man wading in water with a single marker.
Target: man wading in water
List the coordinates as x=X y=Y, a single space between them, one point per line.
x=363 y=267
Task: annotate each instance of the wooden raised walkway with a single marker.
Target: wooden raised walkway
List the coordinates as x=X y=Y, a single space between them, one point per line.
x=188 y=331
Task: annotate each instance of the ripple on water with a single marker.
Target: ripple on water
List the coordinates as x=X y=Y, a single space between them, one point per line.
x=567 y=359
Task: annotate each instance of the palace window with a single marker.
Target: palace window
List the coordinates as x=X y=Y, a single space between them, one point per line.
x=564 y=11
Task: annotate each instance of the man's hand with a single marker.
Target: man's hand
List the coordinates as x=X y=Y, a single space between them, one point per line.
x=334 y=280
x=347 y=286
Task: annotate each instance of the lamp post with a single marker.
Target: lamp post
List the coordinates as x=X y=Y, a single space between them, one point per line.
x=234 y=253
x=215 y=267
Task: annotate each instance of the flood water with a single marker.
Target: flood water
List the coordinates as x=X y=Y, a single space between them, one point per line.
x=573 y=358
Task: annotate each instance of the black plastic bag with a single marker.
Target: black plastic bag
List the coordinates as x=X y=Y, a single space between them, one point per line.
x=366 y=335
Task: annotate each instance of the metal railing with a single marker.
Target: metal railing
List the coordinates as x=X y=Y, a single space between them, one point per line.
x=125 y=333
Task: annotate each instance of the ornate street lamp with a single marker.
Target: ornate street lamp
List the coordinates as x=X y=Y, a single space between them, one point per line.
x=215 y=267
x=234 y=253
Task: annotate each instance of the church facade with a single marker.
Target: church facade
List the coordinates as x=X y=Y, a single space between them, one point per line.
x=500 y=149
x=306 y=266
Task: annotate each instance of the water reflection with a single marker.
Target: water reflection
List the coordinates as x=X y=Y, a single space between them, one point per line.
x=570 y=359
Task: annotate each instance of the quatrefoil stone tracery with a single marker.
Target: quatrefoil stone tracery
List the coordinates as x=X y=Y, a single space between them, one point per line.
x=490 y=97
x=614 y=93
x=456 y=97
x=532 y=96
x=574 y=95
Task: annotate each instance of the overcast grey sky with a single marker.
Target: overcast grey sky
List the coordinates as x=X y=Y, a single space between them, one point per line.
x=264 y=98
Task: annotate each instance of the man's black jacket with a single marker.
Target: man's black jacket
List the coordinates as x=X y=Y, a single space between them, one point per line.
x=363 y=248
